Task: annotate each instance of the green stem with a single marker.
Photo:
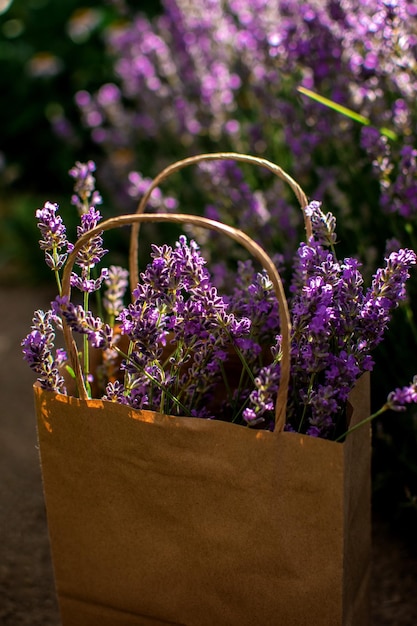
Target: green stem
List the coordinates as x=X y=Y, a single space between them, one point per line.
x=339 y=108
x=56 y=272
x=367 y=420
x=226 y=382
x=151 y=379
x=310 y=388
x=86 y=350
x=237 y=350
x=58 y=282
x=410 y=319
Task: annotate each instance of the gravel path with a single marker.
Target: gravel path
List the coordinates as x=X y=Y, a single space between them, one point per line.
x=26 y=580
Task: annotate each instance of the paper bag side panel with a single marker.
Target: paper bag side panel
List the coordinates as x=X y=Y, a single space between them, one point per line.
x=357 y=507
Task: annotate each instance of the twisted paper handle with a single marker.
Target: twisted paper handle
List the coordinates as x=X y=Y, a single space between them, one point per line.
x=215 y=156
x=237 y=235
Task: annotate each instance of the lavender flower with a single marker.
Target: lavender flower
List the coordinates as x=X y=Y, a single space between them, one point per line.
x=88 y=285
x=99 y=334
x=115 y=392
x=176 y=309
x=144 y=321
x=261 y=409
x=397 y=400
x=254 y=298
x=54 y=239
x=335 y=326
x=323 y=225
x=90 y=254
x=37 y=348
x=386 y=292
x=176 y=340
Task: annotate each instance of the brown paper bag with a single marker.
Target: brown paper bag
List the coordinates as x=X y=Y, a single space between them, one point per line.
x=162 y=520
x=155 y=519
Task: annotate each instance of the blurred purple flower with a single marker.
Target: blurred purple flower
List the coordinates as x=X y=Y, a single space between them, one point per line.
x=116 y=283
x=398 y=399
x=86 y=194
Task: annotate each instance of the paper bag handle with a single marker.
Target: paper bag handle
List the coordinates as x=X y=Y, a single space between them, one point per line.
x=237 y=235
x=214 y=156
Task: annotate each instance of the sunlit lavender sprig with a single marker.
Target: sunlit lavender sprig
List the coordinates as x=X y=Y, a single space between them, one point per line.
x=54 y=238
x=85 y=198
x=99 y=333
x=38 y=352
x=384 y=295
x=93 y=251
x=261 y=400
x=323 y=225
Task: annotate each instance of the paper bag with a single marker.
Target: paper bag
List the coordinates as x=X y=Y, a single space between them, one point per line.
x=156 y=519
x=163 y=520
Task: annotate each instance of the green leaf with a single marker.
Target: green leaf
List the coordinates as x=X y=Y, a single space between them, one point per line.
x=339 y=108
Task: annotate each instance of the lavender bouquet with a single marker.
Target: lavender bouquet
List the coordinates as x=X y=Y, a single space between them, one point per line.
x=181 y=347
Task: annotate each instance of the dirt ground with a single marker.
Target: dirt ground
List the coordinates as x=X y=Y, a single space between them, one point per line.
x=26 y=580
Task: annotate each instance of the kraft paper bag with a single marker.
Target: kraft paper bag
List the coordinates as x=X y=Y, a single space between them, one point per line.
x=159 y=520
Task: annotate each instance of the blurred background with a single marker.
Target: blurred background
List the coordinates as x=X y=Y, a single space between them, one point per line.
x=49 y=51
x=134 y=86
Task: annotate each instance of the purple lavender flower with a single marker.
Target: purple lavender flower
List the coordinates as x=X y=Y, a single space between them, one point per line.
x=145 y=323
x=176 y=308
x=88 y=285
x=190 y=264
x=324 y=411
x=323 y=225
x=54 y=239
x=100 y=335
x=90 y=254
x=115 y=392
x=61 y=356
x=384 y=295
x=38 y=348
x=335 y=326
x=93 y=251
x=262 y=398
x=253 y=298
